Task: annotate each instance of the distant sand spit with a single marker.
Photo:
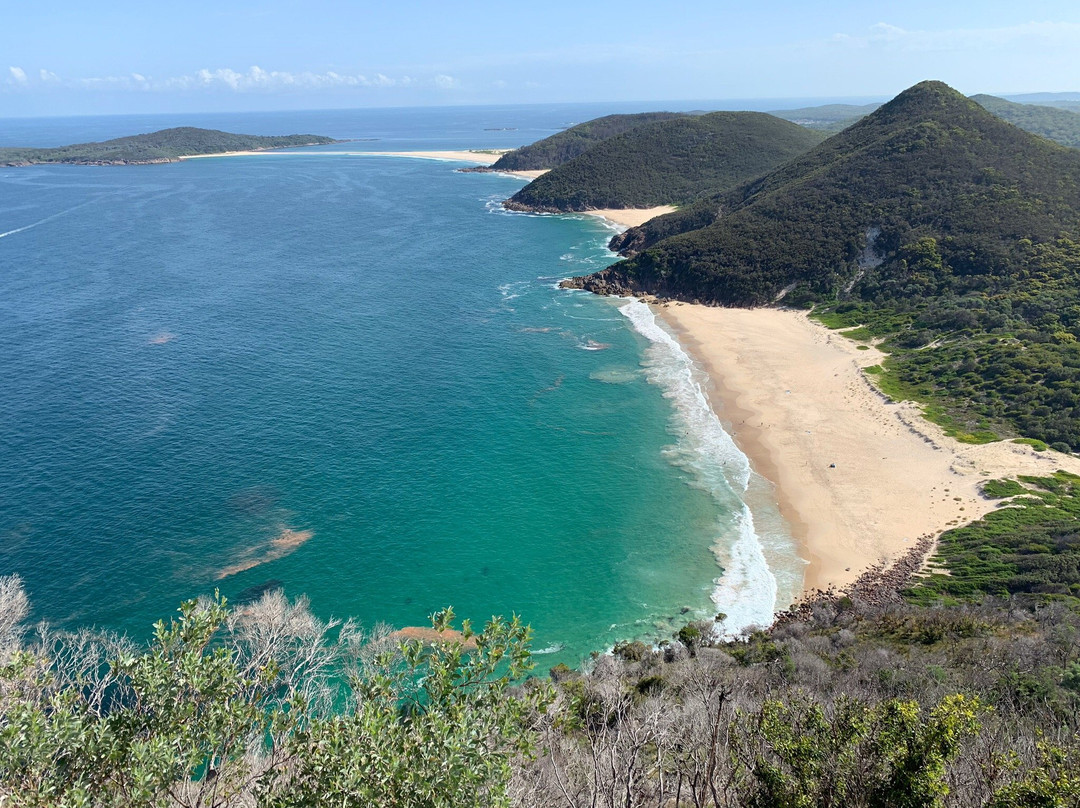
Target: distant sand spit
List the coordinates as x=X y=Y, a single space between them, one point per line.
x=858 y=477
x=478 y=157
x=624 y=217
x=482 y=157
x=284 y=543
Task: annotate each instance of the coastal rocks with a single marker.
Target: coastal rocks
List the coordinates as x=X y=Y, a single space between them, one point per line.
x=605 y=282
x=629 y=242
x=878 y=586
x=520 y=207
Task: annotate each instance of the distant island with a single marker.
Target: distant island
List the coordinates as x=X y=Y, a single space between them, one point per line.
x=165 y=146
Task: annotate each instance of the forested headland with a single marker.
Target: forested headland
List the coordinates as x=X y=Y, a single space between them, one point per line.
x=566 y=145
x=165 y=146
x=669 y=162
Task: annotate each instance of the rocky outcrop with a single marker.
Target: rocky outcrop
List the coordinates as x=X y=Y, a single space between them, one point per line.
x=606 y=282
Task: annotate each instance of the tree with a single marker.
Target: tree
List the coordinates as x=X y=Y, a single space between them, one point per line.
x=265 y=703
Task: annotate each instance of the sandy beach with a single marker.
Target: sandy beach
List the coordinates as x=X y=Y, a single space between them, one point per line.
x=631 y=217
x=480 y=157
x=859 y=478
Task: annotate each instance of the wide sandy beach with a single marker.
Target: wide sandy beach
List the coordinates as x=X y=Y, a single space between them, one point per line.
x=859 y=478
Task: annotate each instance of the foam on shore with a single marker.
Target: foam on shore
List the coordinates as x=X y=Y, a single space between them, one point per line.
x=747 y=591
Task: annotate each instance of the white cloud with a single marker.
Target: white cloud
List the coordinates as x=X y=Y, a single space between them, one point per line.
x=253 y=80
x=256 y=79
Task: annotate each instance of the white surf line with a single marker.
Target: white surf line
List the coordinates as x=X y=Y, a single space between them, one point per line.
x=46 y=219
x=747 y=590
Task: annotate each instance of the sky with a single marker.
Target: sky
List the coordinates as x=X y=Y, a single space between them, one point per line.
x=72 y=57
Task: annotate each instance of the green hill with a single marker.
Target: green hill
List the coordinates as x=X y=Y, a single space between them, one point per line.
x=941 y=229
x=930 y=163
x=564 y=146
x=1058 y=123
x=1062 y=125
x=165 y=146
x=668 y=163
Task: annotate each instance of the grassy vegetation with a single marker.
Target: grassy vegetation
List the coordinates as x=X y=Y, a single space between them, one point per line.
x=1003 y=360
x=1027 y=549
x=568 y=144
x=668 y=162
x=156 y=147
x=1037 y=445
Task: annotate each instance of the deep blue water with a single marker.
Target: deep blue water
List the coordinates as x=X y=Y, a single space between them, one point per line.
x=353 y=376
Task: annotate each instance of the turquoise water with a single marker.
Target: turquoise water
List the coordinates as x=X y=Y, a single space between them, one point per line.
x=353 y=377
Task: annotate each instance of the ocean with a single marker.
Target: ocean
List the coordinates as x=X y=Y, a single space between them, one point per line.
x=354 y=377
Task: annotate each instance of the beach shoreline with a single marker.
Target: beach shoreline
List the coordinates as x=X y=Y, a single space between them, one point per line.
x=630 y=217
x=858 y=478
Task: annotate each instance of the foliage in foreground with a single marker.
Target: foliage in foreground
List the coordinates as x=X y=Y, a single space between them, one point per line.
x=267 y=706
x=849 y=704
x=852 y=704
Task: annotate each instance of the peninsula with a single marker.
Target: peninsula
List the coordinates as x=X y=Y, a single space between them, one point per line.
x=164 y=146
